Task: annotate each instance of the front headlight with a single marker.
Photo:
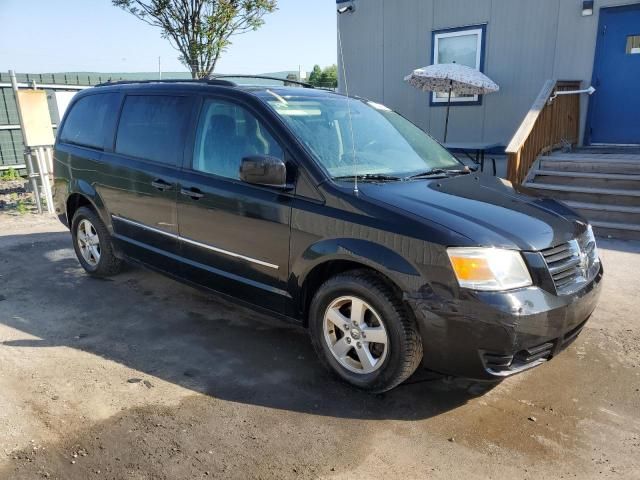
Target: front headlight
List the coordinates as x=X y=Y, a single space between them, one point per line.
x=490 y=269
x=591 y=238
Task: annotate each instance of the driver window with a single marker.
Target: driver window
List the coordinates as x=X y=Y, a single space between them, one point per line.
x=226 y=134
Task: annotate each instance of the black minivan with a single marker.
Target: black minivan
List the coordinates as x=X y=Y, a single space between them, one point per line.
x=333 y=212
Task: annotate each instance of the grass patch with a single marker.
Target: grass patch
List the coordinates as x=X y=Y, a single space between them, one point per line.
x=9 y=175
x=21 y=207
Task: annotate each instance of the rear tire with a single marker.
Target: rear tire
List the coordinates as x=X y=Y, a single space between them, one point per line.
x=363 y=332
x=93 y=245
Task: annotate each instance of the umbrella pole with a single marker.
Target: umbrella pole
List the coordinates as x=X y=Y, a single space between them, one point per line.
x=446 y=123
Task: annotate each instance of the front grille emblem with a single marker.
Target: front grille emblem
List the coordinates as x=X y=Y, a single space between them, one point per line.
x=574 y=263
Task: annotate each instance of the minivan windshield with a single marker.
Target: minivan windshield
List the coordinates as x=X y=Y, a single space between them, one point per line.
x=386 y=145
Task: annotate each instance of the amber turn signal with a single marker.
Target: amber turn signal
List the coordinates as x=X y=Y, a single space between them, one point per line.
x=491 y=269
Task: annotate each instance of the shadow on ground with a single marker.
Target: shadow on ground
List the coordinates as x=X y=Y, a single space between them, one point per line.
x=193 y=339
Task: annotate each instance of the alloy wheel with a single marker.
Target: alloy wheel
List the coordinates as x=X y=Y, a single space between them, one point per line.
x=89 y=242
x=355 y=335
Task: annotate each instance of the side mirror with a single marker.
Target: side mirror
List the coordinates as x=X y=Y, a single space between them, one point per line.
x=264 y=170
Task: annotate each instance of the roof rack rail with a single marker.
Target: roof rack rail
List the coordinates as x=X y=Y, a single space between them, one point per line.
x=264 y=77
x=207 y=81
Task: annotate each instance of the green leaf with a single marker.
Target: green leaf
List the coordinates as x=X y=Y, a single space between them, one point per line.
x=200 y=30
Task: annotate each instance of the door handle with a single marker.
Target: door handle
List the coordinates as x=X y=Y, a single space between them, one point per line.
x=192 y=193
x=162 y=185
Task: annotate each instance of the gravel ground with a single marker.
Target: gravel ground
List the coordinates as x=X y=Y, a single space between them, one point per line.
x=140 y=377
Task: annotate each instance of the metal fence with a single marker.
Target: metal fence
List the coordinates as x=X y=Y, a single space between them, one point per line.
x=11 y=145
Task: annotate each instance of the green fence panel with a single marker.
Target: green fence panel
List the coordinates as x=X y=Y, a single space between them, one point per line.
x=11 y=145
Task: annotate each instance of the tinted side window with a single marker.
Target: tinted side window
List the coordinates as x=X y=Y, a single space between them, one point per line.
x=90 y=119
x=153 y=127
x=226 y=134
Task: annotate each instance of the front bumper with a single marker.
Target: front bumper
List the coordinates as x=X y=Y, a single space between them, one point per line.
x=488 y=336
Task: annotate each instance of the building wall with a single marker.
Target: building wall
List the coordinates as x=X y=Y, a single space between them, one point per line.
x=527 y=42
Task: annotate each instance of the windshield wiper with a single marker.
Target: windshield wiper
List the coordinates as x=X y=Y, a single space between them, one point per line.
x=371 y=176
x=438 y=172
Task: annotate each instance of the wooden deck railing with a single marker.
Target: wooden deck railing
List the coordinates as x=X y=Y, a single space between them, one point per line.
x=547 y=126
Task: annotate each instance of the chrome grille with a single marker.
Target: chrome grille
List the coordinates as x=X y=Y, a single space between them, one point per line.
x=573 y=264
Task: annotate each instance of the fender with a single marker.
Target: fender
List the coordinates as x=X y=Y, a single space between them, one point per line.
x=369 y=254
x=82 y=187
x=89 y=193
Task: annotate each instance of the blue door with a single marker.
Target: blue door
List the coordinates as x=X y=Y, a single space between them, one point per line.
x=614 y=110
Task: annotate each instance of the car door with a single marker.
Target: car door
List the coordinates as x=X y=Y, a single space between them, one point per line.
x=235 y=236
x=140 y=183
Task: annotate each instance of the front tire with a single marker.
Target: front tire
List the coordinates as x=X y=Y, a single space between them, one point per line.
x=363 y=332
x=93 y=245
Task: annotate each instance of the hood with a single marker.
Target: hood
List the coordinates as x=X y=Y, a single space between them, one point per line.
x=485 y=209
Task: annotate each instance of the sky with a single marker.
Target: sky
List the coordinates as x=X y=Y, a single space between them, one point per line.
x=44 y=36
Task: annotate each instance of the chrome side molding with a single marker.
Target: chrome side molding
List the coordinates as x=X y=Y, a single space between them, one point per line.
x=195 y=243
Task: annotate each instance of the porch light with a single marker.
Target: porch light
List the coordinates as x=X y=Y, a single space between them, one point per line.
x=587 y=8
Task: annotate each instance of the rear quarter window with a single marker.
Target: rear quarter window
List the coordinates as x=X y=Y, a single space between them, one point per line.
x=153 y=127
x=90 y=120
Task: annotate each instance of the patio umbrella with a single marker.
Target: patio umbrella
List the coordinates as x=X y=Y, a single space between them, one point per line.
x=451 y=78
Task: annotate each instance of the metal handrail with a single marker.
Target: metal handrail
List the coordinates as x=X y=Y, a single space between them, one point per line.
x=589 y=91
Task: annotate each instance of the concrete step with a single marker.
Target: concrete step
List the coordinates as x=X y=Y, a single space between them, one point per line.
x=587 y=194
x=609 y=196
x=597 y=164
x=623 y=231
x=608 y=149
x=603 y=185
x=588 y=179
x=635 y=157
x=606 y=213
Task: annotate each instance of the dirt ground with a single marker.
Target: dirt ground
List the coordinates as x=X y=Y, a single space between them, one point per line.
x=140 y=377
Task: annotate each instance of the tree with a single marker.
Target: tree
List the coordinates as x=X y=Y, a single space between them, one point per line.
x=314 y=76
x=293 y=77
x=200 y=30
x=327 y=78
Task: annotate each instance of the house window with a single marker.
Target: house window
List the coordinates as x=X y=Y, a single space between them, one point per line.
x=633 y=44
x=464 y=46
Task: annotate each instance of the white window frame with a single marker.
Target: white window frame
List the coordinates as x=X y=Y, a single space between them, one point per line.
x=458 y=33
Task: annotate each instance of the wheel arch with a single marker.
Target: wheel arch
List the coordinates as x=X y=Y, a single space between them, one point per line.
x=328 y=258
x=82 y=194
